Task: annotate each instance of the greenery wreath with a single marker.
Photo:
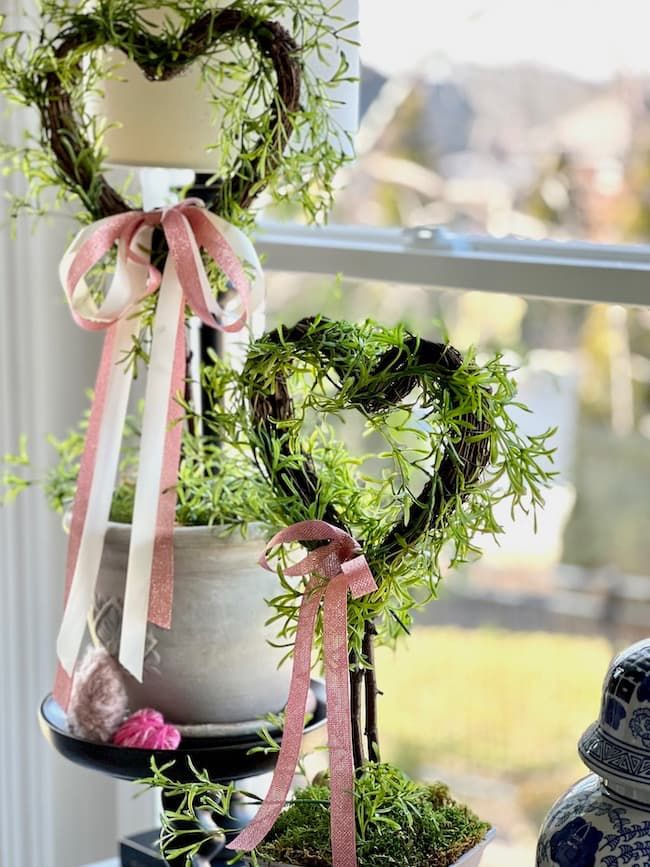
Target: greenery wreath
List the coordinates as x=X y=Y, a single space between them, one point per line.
x=293 y=147
x=440 y=422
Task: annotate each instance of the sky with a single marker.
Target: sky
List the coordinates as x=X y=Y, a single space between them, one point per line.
x=591 y=39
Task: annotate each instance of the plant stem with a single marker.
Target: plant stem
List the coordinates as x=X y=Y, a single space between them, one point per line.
x=371 y=692
x=356 y=679
x=209 y=338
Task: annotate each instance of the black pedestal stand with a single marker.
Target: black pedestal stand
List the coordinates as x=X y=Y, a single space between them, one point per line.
x=225 y=759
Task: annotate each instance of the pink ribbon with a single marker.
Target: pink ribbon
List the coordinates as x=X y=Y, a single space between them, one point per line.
x=187 y=227
x=335 y=569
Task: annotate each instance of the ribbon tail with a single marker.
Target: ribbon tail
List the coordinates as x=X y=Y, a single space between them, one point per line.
x=62 y=689
x=285 y=768
x=63 y=680
x=339 y=727
x=162 y=578
x=227 y=245
x=145 y=531
x=94 y=496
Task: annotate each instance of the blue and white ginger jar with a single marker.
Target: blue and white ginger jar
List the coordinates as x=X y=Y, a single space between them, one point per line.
x=604 y=820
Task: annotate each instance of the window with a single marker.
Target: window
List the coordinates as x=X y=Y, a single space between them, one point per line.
x=504 y=118
x=503 y=672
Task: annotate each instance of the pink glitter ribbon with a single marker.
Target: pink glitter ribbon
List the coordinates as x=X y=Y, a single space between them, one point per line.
x=335 y=569
x=187 y=227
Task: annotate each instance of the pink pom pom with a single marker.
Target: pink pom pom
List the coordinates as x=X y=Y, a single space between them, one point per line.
x=146 y=729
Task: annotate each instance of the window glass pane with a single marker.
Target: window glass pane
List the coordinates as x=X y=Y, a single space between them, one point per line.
x=504 y=117
x=503 y=673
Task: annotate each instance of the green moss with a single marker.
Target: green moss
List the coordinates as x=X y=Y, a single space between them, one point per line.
x=398 y=822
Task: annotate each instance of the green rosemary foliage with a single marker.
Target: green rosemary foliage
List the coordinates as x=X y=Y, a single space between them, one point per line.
x=391 y=498
x=180 y=833
x=236 y=472
x=236 y=76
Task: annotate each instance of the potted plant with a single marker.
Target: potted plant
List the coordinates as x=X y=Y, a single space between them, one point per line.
x=451 y=453
x=249 y=54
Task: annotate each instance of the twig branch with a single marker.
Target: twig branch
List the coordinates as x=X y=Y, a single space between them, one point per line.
x=356 y=681
x=371 y=693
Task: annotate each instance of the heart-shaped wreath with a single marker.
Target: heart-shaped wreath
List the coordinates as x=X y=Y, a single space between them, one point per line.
x=446 y=417
x=248 y=43
x=447 y=428
x=378 y=373
x=379 y=384
x=164 y=61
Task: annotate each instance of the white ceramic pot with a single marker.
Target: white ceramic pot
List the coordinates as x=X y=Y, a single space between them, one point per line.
x=215 y=664
x=170 y=124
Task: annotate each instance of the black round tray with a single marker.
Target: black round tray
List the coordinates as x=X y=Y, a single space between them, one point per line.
x=223 y=758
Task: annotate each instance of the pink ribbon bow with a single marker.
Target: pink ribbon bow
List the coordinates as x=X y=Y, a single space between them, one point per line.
x=335 y=568
x=187 y=227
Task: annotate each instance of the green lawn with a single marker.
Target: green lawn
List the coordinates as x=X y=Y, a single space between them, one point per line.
x=508 y=704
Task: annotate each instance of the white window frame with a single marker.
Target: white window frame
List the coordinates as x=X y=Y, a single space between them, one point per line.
x=434 y=258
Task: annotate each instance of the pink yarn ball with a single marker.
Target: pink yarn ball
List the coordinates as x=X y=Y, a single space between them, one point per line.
x=98 y=703
x=147 y=730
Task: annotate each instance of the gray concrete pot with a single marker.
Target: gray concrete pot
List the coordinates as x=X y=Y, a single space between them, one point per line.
x=214 y=666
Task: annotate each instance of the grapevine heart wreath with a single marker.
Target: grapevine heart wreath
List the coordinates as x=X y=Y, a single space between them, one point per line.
x=160 y=59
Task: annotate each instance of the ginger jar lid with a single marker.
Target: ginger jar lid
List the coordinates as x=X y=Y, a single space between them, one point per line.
x=617 y=745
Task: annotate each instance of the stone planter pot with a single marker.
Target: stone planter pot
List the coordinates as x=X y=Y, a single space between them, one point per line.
x=469 y=859
x=214 y=666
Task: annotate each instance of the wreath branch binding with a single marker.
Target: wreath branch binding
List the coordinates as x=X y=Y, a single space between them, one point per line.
x=66 y=140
